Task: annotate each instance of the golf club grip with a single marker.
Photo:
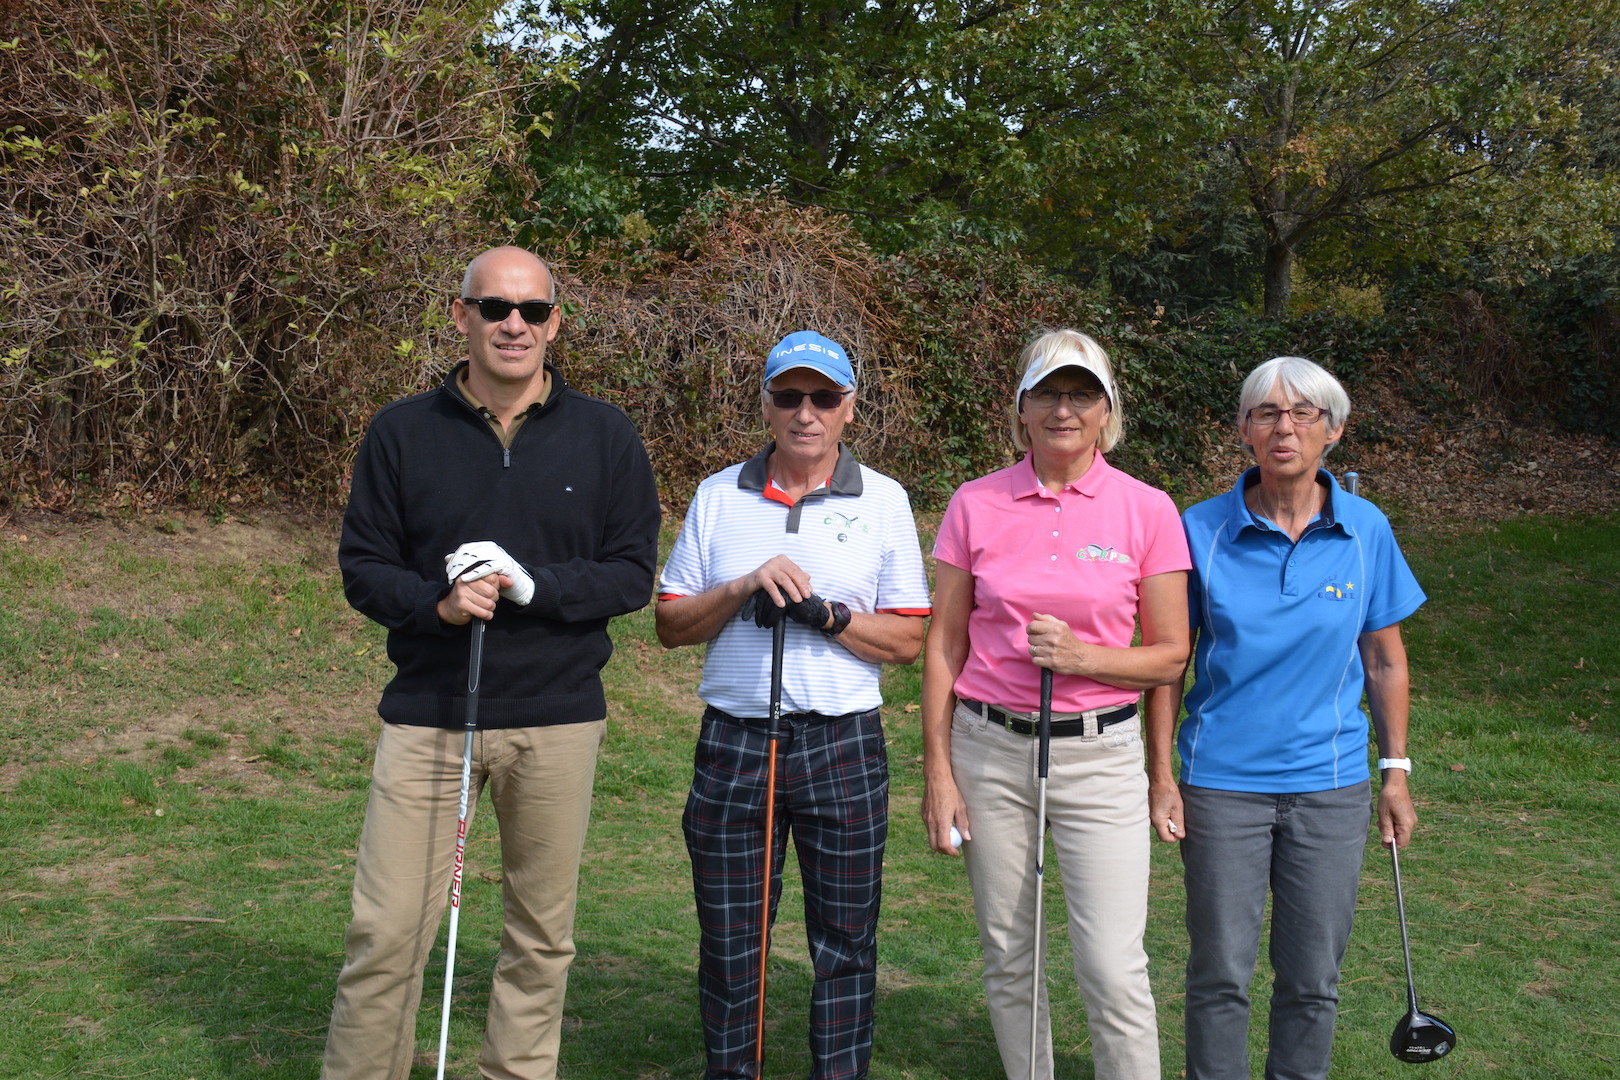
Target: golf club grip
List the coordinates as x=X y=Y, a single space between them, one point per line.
x=475 y=668
x=1045 y=728
x=778 y=643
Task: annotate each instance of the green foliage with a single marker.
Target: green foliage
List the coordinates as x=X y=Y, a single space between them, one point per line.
x=1367 y=130
x=1038 y=125
x=1175 y=146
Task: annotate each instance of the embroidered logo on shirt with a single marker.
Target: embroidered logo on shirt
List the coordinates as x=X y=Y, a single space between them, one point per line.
x=846 y=524
x=1093 y=553
x=1332 y=591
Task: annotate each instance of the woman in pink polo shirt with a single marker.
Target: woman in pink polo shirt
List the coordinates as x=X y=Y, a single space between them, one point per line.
x=1053 y=563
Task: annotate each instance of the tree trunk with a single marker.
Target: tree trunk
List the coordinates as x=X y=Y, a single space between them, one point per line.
x=1279 y=278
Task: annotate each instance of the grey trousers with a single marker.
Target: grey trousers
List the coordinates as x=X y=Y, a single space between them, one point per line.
x=1307 y=849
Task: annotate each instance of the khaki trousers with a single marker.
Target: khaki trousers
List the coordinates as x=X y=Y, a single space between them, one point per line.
x=1096 y=802
x=540 y=782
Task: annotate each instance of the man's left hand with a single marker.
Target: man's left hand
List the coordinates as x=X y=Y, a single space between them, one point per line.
x=812 y=611
x=484 y=557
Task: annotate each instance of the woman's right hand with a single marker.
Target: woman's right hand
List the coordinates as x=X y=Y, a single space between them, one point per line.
x=1165 y=811
x=942 y=807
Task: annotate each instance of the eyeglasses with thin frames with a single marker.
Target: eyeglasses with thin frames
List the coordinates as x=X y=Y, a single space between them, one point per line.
x=1047 y=398
x=1268 y=415
x=494 y=309
x=821 y=399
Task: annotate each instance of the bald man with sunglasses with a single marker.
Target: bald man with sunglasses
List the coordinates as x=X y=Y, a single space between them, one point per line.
x=551 y=493
x=801 y=532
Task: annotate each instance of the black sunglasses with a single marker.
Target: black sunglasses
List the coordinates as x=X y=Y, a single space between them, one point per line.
x=821 y=399
x=494 y=309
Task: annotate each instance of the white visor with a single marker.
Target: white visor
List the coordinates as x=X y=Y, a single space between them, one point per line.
x=1045 y=365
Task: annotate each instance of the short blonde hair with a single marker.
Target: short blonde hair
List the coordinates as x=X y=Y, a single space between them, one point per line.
x=1086 y=354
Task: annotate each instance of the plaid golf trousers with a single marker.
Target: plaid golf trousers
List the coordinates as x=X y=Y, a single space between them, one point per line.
x=832 y=793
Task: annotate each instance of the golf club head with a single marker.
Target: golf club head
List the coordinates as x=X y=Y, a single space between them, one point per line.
x=1420 y=1037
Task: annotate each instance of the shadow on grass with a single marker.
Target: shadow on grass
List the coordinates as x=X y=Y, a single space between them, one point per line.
x=630 y=1018
x=260 y=1007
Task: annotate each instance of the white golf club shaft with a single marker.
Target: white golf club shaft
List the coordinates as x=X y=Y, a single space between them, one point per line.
x=474 y=663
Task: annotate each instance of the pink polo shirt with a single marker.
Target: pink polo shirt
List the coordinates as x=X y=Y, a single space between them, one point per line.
x=1080 y=555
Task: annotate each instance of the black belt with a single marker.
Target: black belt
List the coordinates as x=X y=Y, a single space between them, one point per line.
x=1099 y=720
x=791 y=717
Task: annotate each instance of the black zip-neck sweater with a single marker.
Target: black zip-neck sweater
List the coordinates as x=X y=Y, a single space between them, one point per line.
x=572 y=500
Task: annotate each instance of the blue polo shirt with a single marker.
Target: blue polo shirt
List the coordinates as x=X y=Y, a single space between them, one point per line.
x=1275 y=705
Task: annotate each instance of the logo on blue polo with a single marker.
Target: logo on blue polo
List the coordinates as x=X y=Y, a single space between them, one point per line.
x=1332 y=590
x=1093 y=553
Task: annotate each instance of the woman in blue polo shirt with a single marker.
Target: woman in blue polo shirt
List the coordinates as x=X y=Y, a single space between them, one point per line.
x=1296 y=596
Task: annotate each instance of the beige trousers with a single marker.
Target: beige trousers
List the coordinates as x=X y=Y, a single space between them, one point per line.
x=1096 y=802
x=540 y=782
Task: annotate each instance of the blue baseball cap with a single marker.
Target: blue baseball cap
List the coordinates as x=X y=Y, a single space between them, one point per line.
x=808 y=349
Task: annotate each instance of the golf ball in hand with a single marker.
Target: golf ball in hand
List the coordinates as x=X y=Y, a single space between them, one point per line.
x=956 y=837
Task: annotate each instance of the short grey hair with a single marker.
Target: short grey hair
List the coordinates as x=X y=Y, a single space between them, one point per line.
x=1301 y=380
x=1056 y=344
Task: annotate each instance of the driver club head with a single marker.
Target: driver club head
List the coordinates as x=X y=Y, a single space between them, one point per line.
x=1420 y=1037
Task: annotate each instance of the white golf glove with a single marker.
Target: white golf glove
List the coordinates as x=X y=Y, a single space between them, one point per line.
x=481 y=558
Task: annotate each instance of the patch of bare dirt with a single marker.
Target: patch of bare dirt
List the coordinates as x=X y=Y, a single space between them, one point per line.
x=146 y=565
x=92 y=877
x=240 y=765
x=249 y=538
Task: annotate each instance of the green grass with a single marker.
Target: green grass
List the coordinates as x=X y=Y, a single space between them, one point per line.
x=183 y=778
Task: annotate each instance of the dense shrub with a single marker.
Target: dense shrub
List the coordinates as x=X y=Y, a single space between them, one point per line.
x=220 y=309
x=1545 y=351
x=676 y=335
x=225 y=230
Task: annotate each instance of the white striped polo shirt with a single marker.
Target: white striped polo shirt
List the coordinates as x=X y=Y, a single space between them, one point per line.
x=854 y=536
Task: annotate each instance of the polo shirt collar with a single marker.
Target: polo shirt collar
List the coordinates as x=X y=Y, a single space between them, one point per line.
x=845 y=480
x=1027 y=485
x=456 y=383
x=1240 y=517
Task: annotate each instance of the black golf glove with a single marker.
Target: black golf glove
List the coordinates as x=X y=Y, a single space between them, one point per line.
x=762 y=611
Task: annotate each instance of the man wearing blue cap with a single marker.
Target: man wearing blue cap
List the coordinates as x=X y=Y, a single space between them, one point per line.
x=801 y=532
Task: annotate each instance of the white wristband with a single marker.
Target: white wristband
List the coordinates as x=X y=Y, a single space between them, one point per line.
x=1402 y=763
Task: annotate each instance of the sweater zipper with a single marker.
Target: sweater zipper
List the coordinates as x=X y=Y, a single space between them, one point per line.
x=506 y=457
